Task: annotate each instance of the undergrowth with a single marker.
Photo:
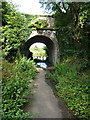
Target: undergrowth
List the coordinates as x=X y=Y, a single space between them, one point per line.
x=72 y=84
x=16 y=81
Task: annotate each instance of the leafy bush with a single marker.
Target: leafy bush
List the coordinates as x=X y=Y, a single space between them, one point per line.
x=15 y=30
x=26 y=66
x=16 y=83
x=73 y=86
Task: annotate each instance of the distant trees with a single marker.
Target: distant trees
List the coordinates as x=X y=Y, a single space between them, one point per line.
x=38 y=52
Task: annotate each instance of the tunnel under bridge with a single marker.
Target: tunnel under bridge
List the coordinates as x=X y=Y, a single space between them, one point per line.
x=46 y=36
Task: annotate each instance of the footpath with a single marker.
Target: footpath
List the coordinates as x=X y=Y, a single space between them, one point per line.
x=44 y=104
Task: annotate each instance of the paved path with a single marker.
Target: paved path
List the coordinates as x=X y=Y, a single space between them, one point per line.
x=44 y=103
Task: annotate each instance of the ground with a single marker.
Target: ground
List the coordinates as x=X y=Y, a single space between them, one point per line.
x=44 y=102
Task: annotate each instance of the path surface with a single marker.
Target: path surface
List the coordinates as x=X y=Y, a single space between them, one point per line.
x=44 y=102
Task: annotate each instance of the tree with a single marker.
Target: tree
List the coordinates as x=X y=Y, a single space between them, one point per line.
x=72 y=24
x=15 y=30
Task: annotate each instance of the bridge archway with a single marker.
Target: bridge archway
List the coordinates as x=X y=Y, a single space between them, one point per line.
x=48 y=40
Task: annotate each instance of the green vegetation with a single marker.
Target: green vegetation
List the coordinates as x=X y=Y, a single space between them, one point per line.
x=73 y=29
x=15 y=30
x=17 y=79
x=18 y=72
x=72 y=23
x=39 y=23
x=72 y=84
x=39 y=52
x=72 y=73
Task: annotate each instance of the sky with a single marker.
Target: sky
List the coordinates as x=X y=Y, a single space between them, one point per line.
x=29 y=7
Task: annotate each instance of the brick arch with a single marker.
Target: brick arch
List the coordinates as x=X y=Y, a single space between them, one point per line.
x=46 y=37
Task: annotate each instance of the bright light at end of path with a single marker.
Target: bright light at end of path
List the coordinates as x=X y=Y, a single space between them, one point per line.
x=39 y=45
